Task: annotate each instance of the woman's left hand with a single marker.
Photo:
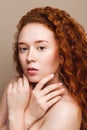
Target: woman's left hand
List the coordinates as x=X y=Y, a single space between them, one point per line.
x=42 y=98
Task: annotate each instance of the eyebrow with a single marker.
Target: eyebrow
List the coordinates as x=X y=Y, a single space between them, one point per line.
x=39 y=41
x=36 y=42
x=21 y=43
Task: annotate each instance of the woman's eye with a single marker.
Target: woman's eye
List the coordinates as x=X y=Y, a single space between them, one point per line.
x=23 y=49
x=41 y=47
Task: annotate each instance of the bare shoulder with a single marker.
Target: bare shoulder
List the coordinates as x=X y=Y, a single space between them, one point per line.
x=64 y=115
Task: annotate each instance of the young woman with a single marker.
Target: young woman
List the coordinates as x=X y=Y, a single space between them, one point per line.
x=50 y=51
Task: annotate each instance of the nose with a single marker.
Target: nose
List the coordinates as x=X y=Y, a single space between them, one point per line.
x=31 y=57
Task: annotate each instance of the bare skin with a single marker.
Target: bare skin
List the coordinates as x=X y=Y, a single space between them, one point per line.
x=17 y=100
x=62 y=108
x=38 y=100
x=43 y=119
x=61 y=113
x=42 y=109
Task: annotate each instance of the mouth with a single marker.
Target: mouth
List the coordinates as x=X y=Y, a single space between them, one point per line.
x=32 y=71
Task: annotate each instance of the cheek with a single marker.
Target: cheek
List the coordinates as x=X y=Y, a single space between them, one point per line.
x=21 y=59
x=51 y=59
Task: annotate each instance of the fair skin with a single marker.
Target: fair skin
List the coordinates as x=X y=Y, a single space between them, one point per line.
x=38 y=55
x=38 y=52
x=17 y=100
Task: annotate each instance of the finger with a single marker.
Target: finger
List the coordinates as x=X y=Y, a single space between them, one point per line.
x=15 y=87
x=9 y=89
x=20 y=84
x=50 y=88
x=44 y=81
x=53 y=101
x=26 y=83
x=53 y=94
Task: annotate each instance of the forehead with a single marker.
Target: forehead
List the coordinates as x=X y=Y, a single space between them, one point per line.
x=34 y=31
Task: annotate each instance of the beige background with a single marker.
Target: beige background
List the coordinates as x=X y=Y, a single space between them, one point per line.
x=10 y=13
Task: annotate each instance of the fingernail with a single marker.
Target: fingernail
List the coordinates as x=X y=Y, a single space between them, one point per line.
x=59 y=97
x=62 y=89
x=60 y=83
x=52 y=75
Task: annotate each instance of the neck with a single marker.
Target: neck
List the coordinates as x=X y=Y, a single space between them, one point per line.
x=53 y=81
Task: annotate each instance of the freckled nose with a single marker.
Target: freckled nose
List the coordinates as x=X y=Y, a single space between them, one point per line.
x=31 y=56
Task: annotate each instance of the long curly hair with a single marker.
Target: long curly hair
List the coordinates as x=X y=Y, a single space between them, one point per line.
x=72 y=45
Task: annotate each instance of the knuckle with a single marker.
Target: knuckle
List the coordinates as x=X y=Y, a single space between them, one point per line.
x=52 y=87
x=41 y=83
x=19 y=79
x=47 y=89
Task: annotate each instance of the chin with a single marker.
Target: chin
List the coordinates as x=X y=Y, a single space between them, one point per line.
x=33 y=80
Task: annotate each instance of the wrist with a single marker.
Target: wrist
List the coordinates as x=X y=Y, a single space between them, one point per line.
x=29 y=120
x=16 y=121
x=15 y=115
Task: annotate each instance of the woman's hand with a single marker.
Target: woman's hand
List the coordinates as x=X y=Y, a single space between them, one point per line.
x=18 y=96
x=42 y=98
x=17 y=101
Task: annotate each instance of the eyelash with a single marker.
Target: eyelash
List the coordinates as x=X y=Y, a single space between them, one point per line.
x=22 y=49
x=41 y=47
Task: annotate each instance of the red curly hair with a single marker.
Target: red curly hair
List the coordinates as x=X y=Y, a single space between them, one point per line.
x=72 y=45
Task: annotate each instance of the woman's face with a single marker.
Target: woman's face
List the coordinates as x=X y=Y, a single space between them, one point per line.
x=38 y=52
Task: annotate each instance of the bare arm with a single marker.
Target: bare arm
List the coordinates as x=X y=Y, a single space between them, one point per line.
x=3 y=107
x=39 y=101
x=17 y=100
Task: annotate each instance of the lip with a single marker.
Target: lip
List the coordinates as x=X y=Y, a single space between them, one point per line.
x=32 y=71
